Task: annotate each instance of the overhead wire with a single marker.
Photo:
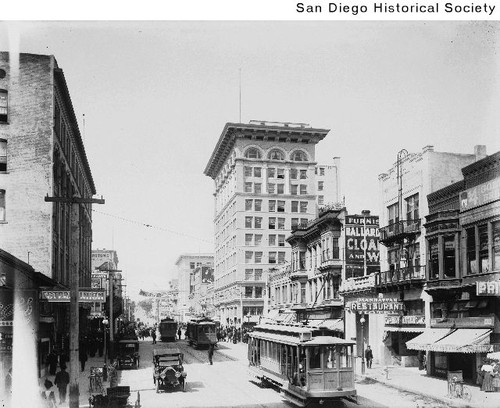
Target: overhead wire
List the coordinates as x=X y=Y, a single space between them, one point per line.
x=143 y=224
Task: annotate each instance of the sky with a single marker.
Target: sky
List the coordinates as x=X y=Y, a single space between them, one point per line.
x=152 y=98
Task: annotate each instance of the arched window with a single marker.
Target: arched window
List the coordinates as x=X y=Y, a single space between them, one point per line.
x=299 y=155
x=252 y=153
x=276 y=154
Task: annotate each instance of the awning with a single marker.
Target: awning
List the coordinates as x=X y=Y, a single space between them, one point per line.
x=330 y=324
x=404 y=329
x=426 y=340
x=464 y=341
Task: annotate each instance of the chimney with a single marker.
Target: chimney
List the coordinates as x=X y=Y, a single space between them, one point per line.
x=480 y=152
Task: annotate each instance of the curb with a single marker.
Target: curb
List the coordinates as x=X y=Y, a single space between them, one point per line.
x=447 y=401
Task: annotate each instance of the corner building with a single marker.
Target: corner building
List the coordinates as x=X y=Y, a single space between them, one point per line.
x=265 y=185
x=42 y=154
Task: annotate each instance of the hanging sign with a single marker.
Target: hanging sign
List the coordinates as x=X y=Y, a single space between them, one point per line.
x=63 y=296
x=488 y=288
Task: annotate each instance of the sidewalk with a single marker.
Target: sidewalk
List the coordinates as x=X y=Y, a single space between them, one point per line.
x=83 y=381
x=411 y=379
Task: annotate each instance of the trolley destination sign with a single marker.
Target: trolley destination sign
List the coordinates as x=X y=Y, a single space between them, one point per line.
x=375 y=305
x=53 y=296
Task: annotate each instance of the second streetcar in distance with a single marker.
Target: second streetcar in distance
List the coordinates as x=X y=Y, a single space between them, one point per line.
x=306 y=368
x=167 y=329
x=201 y=332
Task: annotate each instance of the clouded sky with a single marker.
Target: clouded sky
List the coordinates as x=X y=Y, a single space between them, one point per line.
x=156 y=96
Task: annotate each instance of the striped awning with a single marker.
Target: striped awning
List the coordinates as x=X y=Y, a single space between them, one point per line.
x=465 y=341
x=426 y=340
x=452 y=341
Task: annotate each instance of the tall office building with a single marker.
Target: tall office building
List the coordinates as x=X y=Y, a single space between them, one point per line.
x=265 y=186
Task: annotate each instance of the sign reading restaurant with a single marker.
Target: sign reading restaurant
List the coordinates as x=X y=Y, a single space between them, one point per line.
x=488 y=288
x=64 y=295
x=375 y=305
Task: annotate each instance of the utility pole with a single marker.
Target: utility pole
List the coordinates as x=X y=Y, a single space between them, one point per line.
x=74 y=328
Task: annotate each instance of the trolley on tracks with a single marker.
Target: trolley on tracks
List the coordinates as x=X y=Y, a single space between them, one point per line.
x=168 y=329
x=201 y=332
x=306 y=368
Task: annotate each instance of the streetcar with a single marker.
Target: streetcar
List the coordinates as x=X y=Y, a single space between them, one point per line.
x=306 y=368
x=168 y=329
x=201 y=332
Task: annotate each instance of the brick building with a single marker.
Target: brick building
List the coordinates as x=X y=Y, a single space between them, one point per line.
x=42 y=154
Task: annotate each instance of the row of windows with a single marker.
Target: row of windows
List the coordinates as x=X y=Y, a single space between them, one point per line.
x=257 y=257
x=4 y=106
x=411 y=207
x=275 y=172
x=272 y=188
x=273 y=222
x=276 y=205
x=273 y=240
x=275 y=154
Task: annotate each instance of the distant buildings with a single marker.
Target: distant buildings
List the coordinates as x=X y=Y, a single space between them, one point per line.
x=186 y=266
x=266 y=184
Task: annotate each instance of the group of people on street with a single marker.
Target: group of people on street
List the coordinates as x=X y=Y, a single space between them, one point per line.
x=488 y=376
x=233 y=334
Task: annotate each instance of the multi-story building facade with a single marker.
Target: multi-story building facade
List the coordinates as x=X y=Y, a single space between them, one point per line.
x=403 y=255
x=104 y=266
x=186 y=264
x=42 y=154
x=463 y=271
x=265 y=184
x=201 y=301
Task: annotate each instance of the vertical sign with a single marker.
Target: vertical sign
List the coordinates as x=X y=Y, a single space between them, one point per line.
x=362 y=244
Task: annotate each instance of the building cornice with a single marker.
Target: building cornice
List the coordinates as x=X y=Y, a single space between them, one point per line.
x=232 y=131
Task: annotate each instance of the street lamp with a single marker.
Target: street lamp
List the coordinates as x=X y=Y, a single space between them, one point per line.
x=362 y=321
x=105 y=322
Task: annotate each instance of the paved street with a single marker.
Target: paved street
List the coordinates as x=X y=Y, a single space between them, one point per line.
x=227 y=383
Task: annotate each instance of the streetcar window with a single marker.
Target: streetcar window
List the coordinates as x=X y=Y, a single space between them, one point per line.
x=345 y=357
x=330 y=357
x=315 y=358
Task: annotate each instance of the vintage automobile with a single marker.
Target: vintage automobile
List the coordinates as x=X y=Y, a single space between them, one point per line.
x=116 y=397
x=128 y=354
x=168 y=369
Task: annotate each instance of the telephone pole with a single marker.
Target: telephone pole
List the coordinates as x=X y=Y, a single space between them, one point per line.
x=74 y=328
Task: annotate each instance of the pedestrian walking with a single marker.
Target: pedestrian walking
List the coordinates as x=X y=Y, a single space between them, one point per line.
x=62 y=381
x=8 y=383
x=153 y=335
x=179 y=332
x=82 y=356
x=211 y=353
x=52 y=362
x=369 y=356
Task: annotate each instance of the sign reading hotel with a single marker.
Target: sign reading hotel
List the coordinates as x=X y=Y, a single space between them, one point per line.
x=64 y=295
x=375 y=305
x=482 y=194
x=488 y=288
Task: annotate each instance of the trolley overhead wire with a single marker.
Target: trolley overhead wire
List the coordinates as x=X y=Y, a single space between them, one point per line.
x=143 y=224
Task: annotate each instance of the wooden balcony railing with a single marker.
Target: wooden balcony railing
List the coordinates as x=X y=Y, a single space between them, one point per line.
x=399 y=230
x=401 y=275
